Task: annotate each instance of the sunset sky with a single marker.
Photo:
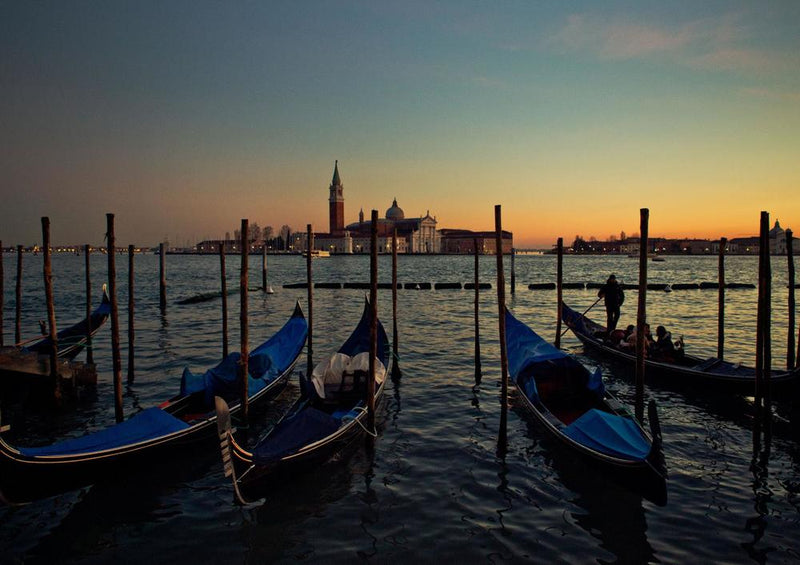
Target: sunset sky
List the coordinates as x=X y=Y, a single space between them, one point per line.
x=184 y=117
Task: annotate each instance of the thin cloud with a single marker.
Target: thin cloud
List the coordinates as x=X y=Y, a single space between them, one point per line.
x=706 y=44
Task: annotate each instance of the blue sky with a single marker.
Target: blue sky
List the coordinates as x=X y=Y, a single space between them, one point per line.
x=183 y=117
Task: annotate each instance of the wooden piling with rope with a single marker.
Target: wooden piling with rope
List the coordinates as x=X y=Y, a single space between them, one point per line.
x=395 y=354
x=559 y=287
x=2 y=294
x=224 y=291
x=373 y=323
x=502 y=439
x=112 y=287
x=243 y=326
x=790 y=340
x=51 y=310
x=131 y=328
x=18 y=295
x=641 y=316
x=162 y=285
x=87 y=250
x=310 y=340
x=723 y=242
x=478 y=375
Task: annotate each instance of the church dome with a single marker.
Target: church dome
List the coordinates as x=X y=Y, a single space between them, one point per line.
x=395 y=212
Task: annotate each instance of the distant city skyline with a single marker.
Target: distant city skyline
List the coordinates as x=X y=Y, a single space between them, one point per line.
x=183 y=118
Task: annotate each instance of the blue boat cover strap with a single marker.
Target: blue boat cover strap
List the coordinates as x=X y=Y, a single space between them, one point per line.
x=303 y=428
x=607 y=433
x=147 y=424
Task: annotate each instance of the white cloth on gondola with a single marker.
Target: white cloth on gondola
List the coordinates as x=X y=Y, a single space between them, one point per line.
x=338 y=371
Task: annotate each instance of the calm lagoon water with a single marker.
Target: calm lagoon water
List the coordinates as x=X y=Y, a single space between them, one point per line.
x=433 y=488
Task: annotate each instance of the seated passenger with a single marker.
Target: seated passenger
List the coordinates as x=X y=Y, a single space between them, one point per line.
x=663 y=349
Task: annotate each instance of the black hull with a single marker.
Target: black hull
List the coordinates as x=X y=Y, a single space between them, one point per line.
x=23 y=479
x=737 y=379
x=648 y=477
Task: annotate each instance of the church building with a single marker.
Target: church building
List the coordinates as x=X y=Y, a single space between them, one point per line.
x=414 y=235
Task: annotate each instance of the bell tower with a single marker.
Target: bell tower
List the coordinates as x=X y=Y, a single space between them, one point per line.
x=336 y=203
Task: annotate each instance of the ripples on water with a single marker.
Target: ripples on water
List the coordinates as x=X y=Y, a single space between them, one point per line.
x=434 y=486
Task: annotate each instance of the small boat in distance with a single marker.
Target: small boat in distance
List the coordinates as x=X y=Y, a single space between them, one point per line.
x=29 y=473
x=329 y=415
x=317 y=253
x=573 y=406
x=681 y=367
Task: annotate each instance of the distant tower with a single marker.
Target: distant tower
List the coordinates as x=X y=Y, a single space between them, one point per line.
x=361 y=216
x=336 y=205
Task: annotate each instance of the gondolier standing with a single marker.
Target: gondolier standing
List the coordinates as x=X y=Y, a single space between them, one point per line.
x=614 y=297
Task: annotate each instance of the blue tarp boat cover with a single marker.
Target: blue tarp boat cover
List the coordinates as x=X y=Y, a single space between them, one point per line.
x=610 y=434
x=145 y=425
x=265 y=363
x=303 y=428
x=526 y=347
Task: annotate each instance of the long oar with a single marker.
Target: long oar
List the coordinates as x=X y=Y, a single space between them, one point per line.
x=584 y=314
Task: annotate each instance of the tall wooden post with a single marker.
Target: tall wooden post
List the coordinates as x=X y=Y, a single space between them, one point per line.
x=112 y=287
x=243 y=361
x=790 y=342
x=373 y=325
x=763 y=341
x=513 y=271
x=2 y=294
x=51 y=310
x=131 y=334
x=395 y=354
x=264 y=267
x=18 y=318
x=641 y=317
x=162 y=285
x=501 y=305
x=723 y=242
x=87 y=250
x=224 y=289
x=310 y=350
x=559 y=287
x=478 y=373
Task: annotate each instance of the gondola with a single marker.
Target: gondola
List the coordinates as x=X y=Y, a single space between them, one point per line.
x=72 y=340
x=680 y=368
x=326 y=419
x=573 y=406
x=27 y=473
x=32 y=359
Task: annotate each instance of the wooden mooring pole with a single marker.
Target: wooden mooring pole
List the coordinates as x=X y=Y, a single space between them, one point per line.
x=723 y=242
x=559 y=287
x=763 y=340
x=224 y=290
x=502 y=439
x=264 y=267
x=2 y=293
x=478 y=373
x=395 y=354
x=112 y=287
x=790 y=341
x=310 y=349
x=373 y=323
x=18 y=295
x=243 y=360
x=641 y=316
x=131 y=330
x=162 y=284
x=87 y=250
x=51 y=310
x=513 y=271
